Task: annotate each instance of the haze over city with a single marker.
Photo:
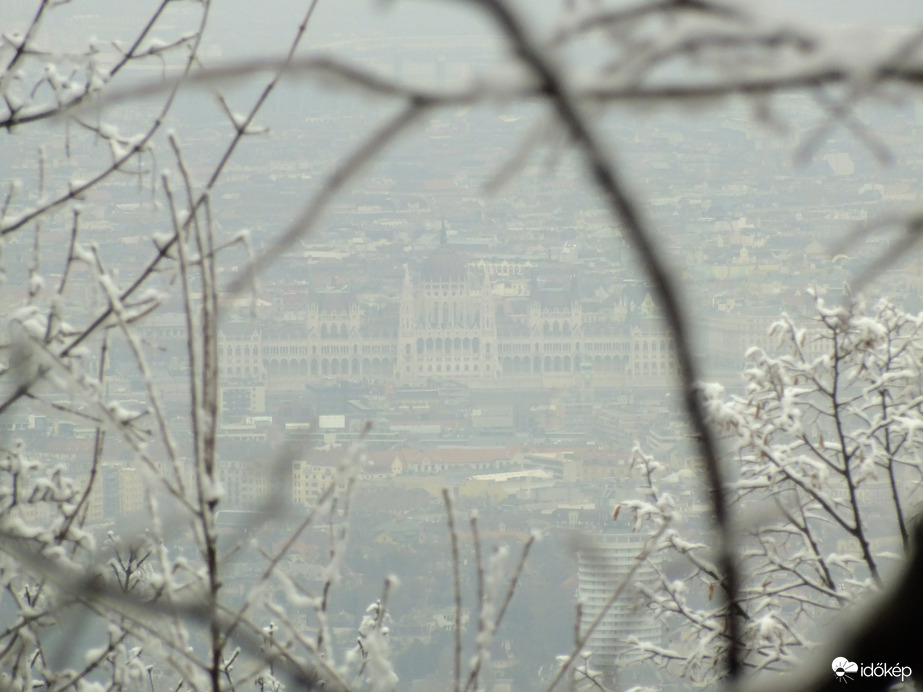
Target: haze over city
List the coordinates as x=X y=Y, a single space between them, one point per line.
x=365 y=330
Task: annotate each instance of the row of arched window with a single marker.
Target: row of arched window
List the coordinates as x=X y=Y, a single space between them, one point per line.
x=539 y=364
x=450 y=315
x=365 y=367
x=440 y=345
x=664 y=346
x=333 y=330
x=238 y=351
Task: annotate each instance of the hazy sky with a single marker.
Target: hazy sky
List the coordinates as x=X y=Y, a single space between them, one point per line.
x=259 y=24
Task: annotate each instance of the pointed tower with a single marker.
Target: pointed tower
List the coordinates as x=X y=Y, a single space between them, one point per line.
x=406 y=359
x=576 y=307
x=490 y=357
x=407 y=308
x=535 y=306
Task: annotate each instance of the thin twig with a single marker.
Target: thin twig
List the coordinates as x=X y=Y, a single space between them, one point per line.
x=456 y=585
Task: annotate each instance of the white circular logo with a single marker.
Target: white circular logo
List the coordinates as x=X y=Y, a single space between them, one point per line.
x=842 y=667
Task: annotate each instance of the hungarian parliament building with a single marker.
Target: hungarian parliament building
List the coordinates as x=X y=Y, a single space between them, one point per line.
x=482 y=325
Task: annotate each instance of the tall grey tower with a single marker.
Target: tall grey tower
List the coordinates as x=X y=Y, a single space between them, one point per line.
x=603 y=561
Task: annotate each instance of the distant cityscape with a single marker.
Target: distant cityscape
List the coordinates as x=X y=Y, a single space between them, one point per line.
x=502 y=345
